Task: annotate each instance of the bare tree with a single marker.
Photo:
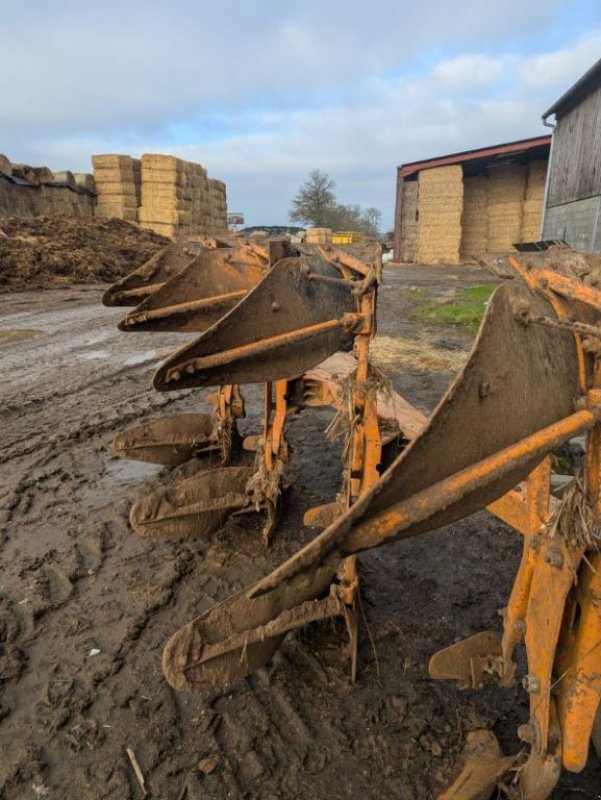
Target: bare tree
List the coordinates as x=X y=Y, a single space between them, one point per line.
x=316 y=205
x=314 y=201
x=372 y=219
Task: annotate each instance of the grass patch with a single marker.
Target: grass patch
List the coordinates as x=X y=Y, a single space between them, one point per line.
x=417 y=294
x=465 y=310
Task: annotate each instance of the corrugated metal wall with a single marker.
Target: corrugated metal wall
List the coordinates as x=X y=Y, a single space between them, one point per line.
x=576 y=223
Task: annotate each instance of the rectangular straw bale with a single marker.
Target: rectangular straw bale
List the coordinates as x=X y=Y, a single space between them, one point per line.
x=537 y=171
x=159 y=192
x=506 y=192
x=110 y=211
x=115 y=175
x=409 y=213
x=409 y=202
x=165 y=204
x=112 y=161
x=163 y=177
x=533 y=203
x=164 y=215
x=531 y=225
x=217 y=185
x=316 y=235
x=474 y=220
x=116 y=188
x=162 y=163
x=167 y=230
x=440 y=208
x=123 y=200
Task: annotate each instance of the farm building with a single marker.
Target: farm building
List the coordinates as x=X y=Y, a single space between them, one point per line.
x=573 y=203
x=450 y=208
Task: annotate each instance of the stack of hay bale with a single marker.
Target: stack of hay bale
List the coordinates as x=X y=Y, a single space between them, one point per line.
x=474 y=221
x=117 y=180
x=217 y=207
x=506 y=189
x=533 y=202
x=179 y=199
x=440 y=209
x=163 y=193
x=318 y=235
x=200 y=209
x=166 y=206
x=409 y=223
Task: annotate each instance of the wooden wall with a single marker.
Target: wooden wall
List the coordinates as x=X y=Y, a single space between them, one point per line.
x=576 y=155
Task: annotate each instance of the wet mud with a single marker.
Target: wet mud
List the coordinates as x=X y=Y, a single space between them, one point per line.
x=86 y=605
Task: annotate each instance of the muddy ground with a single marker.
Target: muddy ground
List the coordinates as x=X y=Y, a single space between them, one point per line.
x=86 y=606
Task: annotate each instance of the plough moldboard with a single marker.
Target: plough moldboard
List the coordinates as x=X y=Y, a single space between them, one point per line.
x=289 y=317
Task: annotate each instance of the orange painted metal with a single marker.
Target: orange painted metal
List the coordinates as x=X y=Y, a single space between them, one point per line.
x=366 y=443
x=526 y=507
x=190 y=305
x=391 y=523
x=279 y=419
x=554 y=570
x=365 y=455
x=578 y=665
x=348 y=322
x=534 y=503
x=560 y=624
x=140 y=291
x=276 y=409
x=568 y=287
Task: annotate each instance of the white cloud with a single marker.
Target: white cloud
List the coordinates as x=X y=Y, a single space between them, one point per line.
x=262 y=93
x=470 y=71
x=562 y=67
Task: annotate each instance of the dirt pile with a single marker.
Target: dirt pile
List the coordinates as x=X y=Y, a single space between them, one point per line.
x=50 y=251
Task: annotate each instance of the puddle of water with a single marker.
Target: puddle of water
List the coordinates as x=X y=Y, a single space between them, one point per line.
x=125 y=472
x=130 y=361
x=10 y=335
x=93 y=355
x=98 y=337
x=141 y=358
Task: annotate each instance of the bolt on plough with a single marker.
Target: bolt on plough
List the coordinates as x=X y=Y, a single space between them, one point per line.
x=288 y=317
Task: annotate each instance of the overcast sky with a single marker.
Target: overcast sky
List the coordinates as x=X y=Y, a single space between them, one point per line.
x=263 y=92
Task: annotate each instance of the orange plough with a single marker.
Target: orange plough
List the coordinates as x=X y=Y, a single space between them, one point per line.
x=531 y=383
